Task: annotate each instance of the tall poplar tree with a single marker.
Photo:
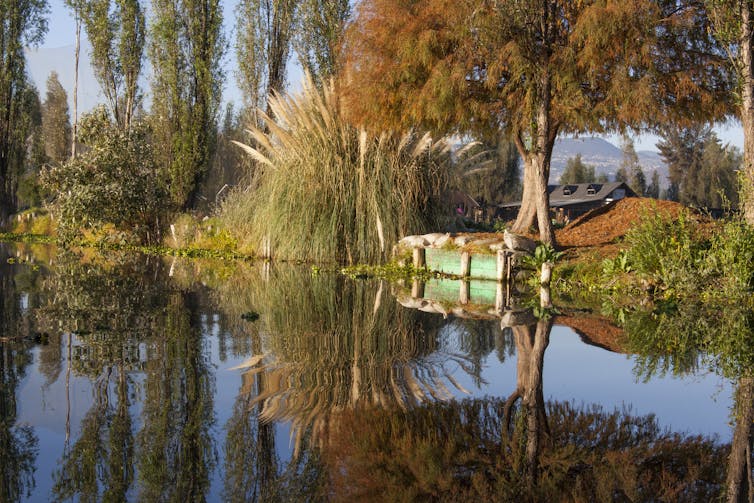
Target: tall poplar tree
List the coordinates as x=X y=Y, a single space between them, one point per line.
x=319 y=31
x=186 y=50
x=534 y=69
x=116 y=30
x=22 y=23
x=264 y=36
x=56 y=122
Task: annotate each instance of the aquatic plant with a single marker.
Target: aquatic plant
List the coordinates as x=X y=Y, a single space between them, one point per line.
x=325 y=190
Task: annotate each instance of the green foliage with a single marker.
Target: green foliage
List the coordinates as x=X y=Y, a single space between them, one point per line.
x=543 y=253
x=730 y=261
x=23 y=24
x=577 y=172
x=56 y=123
x=318 y=33
x=116 y=29
x=327 y=191
x=113 y=182
x=668 y=251
x=187 y=46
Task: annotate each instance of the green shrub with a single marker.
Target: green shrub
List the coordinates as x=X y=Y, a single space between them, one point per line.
x=730 y=261
x=666 y=250
x=113 y=181
x=327 y=191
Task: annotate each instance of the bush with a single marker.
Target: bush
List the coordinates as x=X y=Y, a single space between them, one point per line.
x=114 y=181
x=666 y=250
x=327 y=191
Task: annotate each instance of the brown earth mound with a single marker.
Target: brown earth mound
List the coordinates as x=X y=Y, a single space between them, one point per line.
x=596 y=330
x=606 y=224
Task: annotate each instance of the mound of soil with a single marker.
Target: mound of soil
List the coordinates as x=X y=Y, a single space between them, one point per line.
x=606 y=224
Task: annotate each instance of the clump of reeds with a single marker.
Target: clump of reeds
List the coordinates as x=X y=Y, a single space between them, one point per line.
x=326 y=190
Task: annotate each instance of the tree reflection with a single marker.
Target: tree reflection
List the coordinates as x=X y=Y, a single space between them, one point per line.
x=519 y=449
x=18 y=444
x=680 y=338
x=337 y=344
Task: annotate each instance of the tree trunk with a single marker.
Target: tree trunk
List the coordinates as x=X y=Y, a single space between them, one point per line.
x=527 y=214
x=738 y=484
x=747 y=106
x=74 y=133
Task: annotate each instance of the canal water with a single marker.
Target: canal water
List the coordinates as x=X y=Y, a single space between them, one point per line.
x=131 y=378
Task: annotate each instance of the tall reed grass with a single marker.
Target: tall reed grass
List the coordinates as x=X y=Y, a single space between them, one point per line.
x=328 y=191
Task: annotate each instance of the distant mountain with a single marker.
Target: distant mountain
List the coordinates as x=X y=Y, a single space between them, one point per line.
x=40 y=62
x=604 y=156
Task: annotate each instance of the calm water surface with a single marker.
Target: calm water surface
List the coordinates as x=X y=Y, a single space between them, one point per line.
x=144 y=379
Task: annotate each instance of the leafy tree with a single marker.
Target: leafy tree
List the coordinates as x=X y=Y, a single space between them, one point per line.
x=534 y=70
x=113 y=182
x=319 y=30
x=733 y=23
x=653 y=189
x=498 y=179
x=717 y=185
x=56 y=123
x=116 y=30
x=681 y=149
x=22 y=23
x=577 y=172
x=187 y=46
x=630 y=170
x=265 y=31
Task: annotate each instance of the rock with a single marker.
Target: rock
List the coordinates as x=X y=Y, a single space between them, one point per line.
x=462 y=240
x=516 y=318
x=497 y=246
x=437 y=240
x=413 y=242
x=519 y=243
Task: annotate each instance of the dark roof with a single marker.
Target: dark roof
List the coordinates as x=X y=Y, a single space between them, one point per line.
x=564 y=195
x=578 y=193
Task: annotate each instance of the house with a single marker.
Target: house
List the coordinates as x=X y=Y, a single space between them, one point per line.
x=571 y=201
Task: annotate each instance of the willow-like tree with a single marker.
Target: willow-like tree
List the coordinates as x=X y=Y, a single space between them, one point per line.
x=116 y=30
x=187 y=46
x=22 y=23
x=534 y=70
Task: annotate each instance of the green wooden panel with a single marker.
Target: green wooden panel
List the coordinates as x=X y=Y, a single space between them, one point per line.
x=445 y=261
x=449 y=291
x=483 y=266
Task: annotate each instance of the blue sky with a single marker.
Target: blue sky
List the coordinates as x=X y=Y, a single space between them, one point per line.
x=62 y=33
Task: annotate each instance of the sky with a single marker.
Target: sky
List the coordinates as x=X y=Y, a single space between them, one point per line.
x=62 y=32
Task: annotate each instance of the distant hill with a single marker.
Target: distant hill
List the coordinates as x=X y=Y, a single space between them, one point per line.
x=604 y=156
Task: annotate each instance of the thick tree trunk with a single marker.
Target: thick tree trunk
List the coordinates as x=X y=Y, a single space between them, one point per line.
x=747 y=106
x=738 y=485
x=527 y=214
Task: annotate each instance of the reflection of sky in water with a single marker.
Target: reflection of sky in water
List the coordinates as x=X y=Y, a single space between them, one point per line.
x=585 y=374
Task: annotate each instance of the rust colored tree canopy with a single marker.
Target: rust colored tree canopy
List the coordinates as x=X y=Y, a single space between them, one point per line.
x=534 y=70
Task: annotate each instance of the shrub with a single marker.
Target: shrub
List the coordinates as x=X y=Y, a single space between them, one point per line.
x=666 y=250
x=328 y=191
x=731 y=259
x=114 y=181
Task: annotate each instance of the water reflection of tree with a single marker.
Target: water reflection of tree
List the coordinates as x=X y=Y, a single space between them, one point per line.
x=341 y=344
x=18 y=444
x=680 y=338
x=519 y=449
x=121 y=317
